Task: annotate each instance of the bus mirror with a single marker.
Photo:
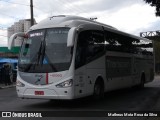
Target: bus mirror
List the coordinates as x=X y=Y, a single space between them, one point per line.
x=71 y=36
x=13 y=37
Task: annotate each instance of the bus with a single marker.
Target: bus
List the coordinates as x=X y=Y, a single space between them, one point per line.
x=68 y=57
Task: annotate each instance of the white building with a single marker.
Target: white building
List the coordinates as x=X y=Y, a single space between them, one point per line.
x=20 y=26
x=27 y=25
x=10 y=31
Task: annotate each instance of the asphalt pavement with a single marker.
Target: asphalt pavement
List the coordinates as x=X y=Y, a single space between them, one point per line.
x=156 y=107
x=42 y=104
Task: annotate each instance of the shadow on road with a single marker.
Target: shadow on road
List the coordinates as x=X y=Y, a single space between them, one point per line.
x=126 y=99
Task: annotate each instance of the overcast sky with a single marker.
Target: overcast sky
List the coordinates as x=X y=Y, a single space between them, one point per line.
x=131 y=16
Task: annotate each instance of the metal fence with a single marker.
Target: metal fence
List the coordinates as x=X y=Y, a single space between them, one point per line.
x=150 y=34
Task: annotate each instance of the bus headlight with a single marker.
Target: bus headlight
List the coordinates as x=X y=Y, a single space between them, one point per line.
x=64 y=84
x=19 y=84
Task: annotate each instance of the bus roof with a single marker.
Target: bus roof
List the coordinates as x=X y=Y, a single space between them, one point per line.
x=65 y=21
x=75 y=21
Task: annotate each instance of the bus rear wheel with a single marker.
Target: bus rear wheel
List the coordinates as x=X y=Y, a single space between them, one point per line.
x=141 y=85
x=98 y=90
x=142 y=81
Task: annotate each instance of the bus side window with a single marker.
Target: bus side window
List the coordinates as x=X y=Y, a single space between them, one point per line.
x=145 y=47
x=120 y=43
x=90 y=45
x=95 y=45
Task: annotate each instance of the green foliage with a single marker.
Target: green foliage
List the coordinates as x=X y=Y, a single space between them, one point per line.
x=155 y=3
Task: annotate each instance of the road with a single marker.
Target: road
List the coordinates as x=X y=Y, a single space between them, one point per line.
x=130 y=99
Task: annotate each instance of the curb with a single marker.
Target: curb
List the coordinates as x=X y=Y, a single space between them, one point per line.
x=10 y=86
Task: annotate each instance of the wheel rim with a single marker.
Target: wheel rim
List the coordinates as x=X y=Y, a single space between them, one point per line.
x=97 y=90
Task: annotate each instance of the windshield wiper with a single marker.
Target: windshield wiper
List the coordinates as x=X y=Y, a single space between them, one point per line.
x=42 y=54
x=36 y=58
x=39 y=54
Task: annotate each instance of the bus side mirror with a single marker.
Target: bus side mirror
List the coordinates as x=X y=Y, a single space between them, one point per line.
x=71 y=37
x=13 y=37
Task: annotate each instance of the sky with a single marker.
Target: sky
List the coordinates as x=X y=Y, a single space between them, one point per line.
x=131 y=16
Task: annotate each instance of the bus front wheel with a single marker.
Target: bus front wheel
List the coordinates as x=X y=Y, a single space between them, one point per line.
x=98 y=90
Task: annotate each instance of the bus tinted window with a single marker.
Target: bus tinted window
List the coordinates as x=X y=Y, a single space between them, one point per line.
x=95 y=44
x=122 y=43
x=90 y=45
x=119 y=43
x=144 y=47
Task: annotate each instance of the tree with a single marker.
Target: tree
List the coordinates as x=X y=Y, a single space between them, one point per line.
x=155 y=3
x=157 y=55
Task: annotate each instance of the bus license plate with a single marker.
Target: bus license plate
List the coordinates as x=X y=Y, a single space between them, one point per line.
x=39 y=92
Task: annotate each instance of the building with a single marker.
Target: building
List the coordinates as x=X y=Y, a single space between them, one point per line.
x=10 y=31
x=27 y=25
x=20 y=26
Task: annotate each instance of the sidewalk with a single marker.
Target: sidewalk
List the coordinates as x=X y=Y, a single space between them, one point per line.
x=156 y=106
x=2 y=86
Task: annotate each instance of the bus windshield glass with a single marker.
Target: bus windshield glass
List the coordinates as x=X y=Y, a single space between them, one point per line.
x=45 y=51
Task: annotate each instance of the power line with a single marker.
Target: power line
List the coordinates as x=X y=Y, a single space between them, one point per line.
x=25 y=5
x=79 y=9
x=48 y=11
x=40 y=9
x=8 y=15
x=69 y=6
x=15 y=3
x=16 y=18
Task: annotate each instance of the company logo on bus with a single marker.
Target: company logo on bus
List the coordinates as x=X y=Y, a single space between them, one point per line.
x=56 y=75
x=39 y=77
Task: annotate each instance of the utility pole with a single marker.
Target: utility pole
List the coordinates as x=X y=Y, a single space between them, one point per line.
x=31 y=6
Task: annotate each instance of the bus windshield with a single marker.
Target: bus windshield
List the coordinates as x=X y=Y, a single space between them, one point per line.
x=45 y=51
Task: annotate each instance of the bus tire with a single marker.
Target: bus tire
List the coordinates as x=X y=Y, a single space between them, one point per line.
x=98 y=90
x=141 y=85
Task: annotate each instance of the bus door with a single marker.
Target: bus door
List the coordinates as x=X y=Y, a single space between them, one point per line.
x=90 y=43
x=80 y=85
x=80 y=66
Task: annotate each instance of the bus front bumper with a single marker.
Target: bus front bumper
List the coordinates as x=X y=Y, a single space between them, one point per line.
x=44 y=93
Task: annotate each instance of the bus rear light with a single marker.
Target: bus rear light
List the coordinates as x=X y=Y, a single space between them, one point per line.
x=19 y=84
x=64 y=84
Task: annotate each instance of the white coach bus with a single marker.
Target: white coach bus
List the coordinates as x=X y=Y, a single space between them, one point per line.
x=69 y=57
